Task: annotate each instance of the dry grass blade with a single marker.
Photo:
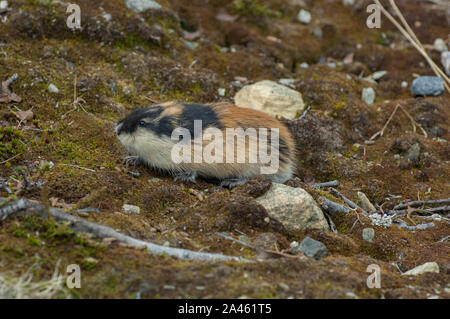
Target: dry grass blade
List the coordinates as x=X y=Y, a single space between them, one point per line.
x=409 y=34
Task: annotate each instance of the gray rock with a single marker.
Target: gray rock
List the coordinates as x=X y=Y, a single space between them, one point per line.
x=368 y=234
x=304 y=16
x=293 y=207
x=52 y=88
x=413 y=153
x=368 y=95
x=271 y=98
x=427 y=85
x=445 y=60
x=312 y=248
x=131 y=209
x=426 y=267
x=142 y=5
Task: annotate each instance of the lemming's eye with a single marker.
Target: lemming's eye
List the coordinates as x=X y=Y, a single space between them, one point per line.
x=142 y=123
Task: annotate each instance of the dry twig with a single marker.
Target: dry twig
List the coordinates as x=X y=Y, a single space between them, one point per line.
x=25 y=207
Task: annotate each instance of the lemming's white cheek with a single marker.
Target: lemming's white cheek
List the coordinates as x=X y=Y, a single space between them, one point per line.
x=117 y=128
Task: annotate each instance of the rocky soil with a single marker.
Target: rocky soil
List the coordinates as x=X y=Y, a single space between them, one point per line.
x=59 y=149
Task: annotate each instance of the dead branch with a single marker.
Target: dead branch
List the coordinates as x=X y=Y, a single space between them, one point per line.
x=402 y=224
x=435 y=210
x=417 y=203
x=334 y=183
x=336 y=193
x=23 y=207
x=331 y=207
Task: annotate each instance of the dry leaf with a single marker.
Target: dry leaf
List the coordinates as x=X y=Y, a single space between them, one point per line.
x=6 y=95
x=25 y=115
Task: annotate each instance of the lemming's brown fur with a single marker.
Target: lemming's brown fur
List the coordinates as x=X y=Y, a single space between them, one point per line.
x=154 y=147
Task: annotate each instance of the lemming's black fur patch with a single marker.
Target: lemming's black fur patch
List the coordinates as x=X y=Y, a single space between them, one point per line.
x=192 y=112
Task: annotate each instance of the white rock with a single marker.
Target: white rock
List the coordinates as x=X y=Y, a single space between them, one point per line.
x=3 y=4
x=271 y=98
x=378 y=75
x=348 y=2
x=439 y=45
x=304 y=65
x=404 y=84
x=426 y=267
x=368 y=95
x=221 y=91
x=52 y=88
x=142 y=5
x=304 y=16
x=106 y=16
x=293 y=207
x=131 y=209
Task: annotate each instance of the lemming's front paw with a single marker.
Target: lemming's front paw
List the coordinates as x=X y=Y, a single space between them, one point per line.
x=185 y=176
x=232 y=182
x=131 y=160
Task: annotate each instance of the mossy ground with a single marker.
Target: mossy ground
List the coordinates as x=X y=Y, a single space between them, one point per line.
x=126 y=63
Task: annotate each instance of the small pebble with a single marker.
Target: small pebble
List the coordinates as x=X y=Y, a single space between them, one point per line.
x=304 y=16
x=304 y=65
x=368 y=95
x=107 y=16
x=368 y=234
x=404 y=84
x=439 y=45
x=131 y=209
x=221 y=91
x=191 y=45
x=284 y=286
x=52 y=88
x=3 y=4
x=312 y=248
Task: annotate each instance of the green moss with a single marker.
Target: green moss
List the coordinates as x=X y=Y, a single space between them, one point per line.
x=255 y=8
x=11 y=143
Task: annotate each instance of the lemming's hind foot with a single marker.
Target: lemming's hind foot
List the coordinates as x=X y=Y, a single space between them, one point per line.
x=185 y=176
x=232 y=182
x=131 y=160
